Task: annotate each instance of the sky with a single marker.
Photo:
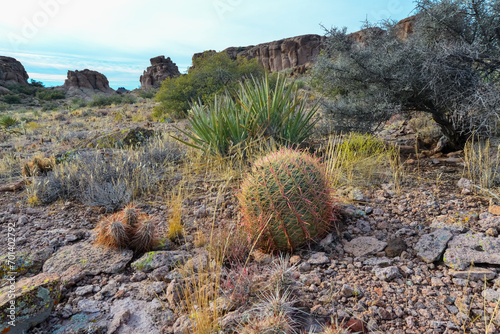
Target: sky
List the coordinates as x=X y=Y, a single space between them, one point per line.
x=117 y=38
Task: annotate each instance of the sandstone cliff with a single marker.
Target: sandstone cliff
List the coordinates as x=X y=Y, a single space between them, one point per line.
x=160 y=69
x=282 y=54
x=300 y=52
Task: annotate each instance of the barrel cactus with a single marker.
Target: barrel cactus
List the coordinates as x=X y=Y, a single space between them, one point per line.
x=286 y=201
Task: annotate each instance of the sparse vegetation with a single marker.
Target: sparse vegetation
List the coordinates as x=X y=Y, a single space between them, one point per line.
x=362 y=161
x=101 y=100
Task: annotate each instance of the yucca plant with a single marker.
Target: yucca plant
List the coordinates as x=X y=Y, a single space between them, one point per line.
x=8 y=123
x=259 y=110
x=286 y=200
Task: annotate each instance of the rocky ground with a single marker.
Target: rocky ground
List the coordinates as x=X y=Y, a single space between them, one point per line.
x=385 y=268
x=399 y=262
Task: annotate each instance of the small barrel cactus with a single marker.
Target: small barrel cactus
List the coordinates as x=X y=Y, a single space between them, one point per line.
x=286 y=200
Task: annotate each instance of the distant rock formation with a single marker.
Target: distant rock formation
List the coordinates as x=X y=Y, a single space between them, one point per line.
x=282 y=54
x=300 y=52
x=122 y=90
x=12 y=72
x=160 y=69
x=86 y=83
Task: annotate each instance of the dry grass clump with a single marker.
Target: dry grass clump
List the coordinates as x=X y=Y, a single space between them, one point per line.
x=175 y=228
x=362 y=160
x=482 y=163
x=127 y=229
x=10 y=166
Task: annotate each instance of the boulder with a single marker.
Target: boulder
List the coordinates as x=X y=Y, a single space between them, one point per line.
x=154 y=260
x=90 y=259
x=12 y=72
x=160 y=69
x=431 y=246
x=86 y=83
x=364 y=246
x=467 y=249
x=33 y=302
x=121 y=138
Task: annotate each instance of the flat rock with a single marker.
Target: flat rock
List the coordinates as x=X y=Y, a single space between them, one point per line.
x=491 y=295
x=386 y=274
x=364 y=246
x=144 y=316
x=154 y=260
x=431 y=246
x=450 y=223
x=469 y=248
x=318 y=258
x=34 y=299
x=91 y=259
x=25 y=262
x=474 y=274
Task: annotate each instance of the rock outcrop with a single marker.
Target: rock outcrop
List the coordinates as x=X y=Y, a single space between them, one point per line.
x=282 y=54
x=160 y=69
x=86 y=82
x=300 y=52
x=12 y=72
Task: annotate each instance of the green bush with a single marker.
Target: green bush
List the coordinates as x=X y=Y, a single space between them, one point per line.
x=12 y=99
x=286 y=201
x=259 y=110
x=146 y=93
x=49 y=105
x=210 y=75
x=49 y=95
x=23 y=89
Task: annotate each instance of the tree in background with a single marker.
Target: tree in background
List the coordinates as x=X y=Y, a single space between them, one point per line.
x=211 y=74
x=449 y=67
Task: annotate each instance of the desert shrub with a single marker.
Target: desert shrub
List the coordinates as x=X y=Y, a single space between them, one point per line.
x=23 y=89
x=3 y=106
x=12 y=99
x=286 y=200
x=361 y=160
x=50 y=105
x=146 y=93
x=77 y=102
x=210 y=75
x=258 y=111
x=49 y=95
x=447 y=68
